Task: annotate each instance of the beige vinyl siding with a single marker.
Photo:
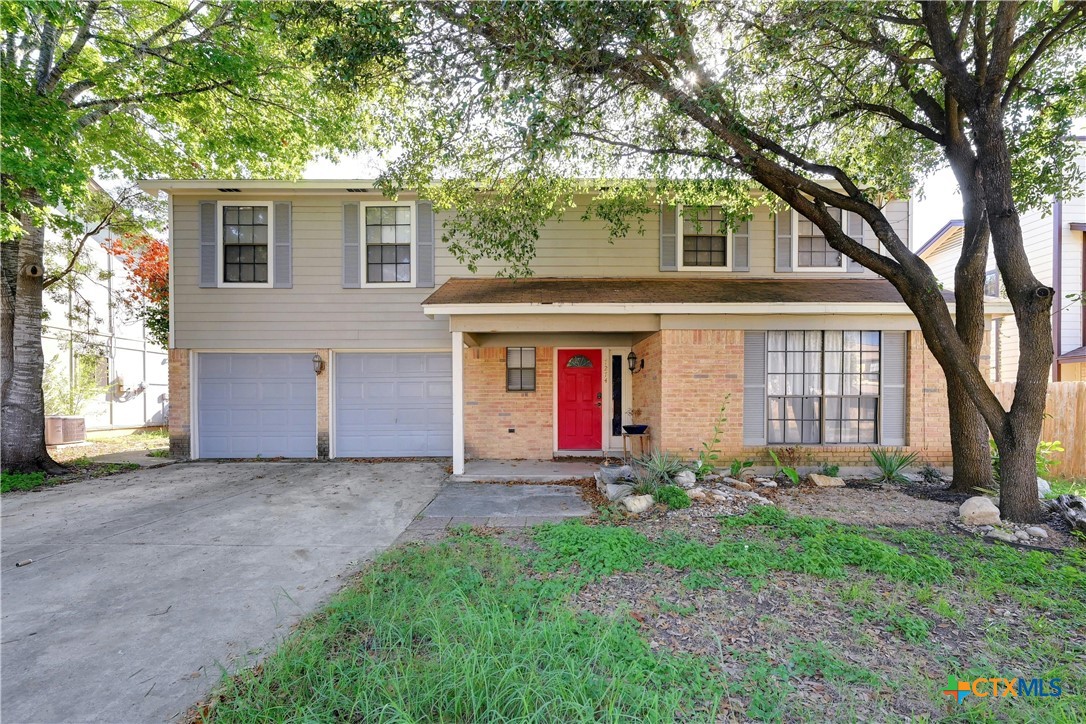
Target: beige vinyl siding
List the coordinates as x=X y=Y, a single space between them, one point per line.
x=318 y=313
x=1074 y=256
x=943 y=262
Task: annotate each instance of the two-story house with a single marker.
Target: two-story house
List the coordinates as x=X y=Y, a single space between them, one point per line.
x=321 y=319
x=1054 y=241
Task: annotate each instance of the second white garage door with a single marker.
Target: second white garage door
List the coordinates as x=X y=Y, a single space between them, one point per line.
x=393 y=404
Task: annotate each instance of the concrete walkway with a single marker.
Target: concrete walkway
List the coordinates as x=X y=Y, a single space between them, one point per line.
x=495 y=506
x=142 y=585
x=534 y=471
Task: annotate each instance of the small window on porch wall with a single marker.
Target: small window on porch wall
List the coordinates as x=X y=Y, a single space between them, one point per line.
x=520 y=369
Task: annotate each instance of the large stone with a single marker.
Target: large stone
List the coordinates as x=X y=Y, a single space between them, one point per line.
x=637 y=503
x=979 y=510
x=742 y=486
x=1043 y=488
x=825 y=481
x=697 y=494
x=613 y=473
x=769 y=484
x=1037 y=532
x=1002 y=535
x=616 y=491
x=686 y=479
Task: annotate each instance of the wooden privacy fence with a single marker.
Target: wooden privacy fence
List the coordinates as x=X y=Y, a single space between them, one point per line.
x=1065 y=420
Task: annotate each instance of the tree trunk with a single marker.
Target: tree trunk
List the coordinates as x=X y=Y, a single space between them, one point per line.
x=968 y=430
x=23 y=407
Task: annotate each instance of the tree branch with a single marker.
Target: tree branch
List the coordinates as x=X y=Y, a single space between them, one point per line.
x=73 y=51
x=1056 y=33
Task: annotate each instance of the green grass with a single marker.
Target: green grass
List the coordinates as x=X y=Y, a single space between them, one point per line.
x=158 y=454
x=473 y=630
x=99 y=469
x=459 y=632
x=1067 y=486
x=20 y=481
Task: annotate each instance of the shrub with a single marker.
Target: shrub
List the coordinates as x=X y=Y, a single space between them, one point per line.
x=828 y=469
x=890 y=462
x=787 y=470
x=709 y=455
x=738 y=467
x=931 y=474
x=673 y=497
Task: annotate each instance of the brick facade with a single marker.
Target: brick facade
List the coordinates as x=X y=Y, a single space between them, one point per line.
x=180 y=434
x=324 y=382
x=507 y=425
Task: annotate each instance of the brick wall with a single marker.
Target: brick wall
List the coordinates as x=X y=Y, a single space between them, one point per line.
x=703 y=367
x=180 y=435
x=490 y=411
x=646 y=386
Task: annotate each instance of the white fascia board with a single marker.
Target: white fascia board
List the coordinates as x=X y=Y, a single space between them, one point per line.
x=154 y=186
x=995 y=309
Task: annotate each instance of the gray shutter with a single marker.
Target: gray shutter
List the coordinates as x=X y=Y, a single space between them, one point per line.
x=669 y=238
x=352 y=247
x=783 y=226
x=741 y=247
x=855 y=229
x=424 y=244
x=209 y=244
x=754 y=388
x=894 y=349
x=283 y=274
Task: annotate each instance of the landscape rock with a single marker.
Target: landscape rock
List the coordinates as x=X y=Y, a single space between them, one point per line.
x=697 y=494
x=711 y=478
x=1043 y=488
x=825 y=481
x=769 y=484
x=979 y=510
x=686 y=479
x=763 y=480
x=719 y=495
x=1001 y=535
x=742 y=486
x=616 y=491
x=1037 y=532
x=754 y=496
x=1021 y=535
x=637 y=503
x=613 y=473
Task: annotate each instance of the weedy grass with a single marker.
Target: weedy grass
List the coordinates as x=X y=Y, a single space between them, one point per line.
x=459 y=632
x=20 y=481
x=471 y=629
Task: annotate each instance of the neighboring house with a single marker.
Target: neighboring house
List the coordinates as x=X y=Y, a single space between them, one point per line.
x=100 y=363
x=1054 y=243
x=320 y=319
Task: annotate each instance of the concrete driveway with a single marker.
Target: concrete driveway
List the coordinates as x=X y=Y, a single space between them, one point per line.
x=143 y=585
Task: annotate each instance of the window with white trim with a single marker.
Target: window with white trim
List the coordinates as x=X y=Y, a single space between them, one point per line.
x=520 y=369
x=706 y=240
x=823 y=387
x=388 y=235
x=812 y=251
x=245 y=231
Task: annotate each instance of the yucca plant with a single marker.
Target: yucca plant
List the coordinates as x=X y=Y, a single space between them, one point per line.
x=891 y=461
x=658 y=468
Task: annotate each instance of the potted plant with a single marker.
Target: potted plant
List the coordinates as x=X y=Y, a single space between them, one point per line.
x=634 y=428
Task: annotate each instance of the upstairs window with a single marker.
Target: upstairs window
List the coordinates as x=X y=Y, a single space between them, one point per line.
x=388 y=238
x=520 y=369
x=812 y=251
x=705 y=238
x=245 y=249
x=991 y=284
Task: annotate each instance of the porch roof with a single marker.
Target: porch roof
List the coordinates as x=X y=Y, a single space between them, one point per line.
x=460 y=292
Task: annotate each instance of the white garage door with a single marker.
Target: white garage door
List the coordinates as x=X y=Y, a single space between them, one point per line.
x=256 y=404
x=393 y=405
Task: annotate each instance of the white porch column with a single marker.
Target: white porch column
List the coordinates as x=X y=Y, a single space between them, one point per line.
x=458 y=402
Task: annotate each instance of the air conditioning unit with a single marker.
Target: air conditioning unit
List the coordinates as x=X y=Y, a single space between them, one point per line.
x=65 y=429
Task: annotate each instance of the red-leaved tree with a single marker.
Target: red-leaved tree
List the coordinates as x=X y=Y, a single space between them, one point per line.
x=147 y=260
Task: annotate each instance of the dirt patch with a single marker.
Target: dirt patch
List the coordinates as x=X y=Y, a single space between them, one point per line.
x=868 y=506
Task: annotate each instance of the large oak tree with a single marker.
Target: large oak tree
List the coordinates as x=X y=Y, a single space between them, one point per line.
x=187 y=88
x=826 y=105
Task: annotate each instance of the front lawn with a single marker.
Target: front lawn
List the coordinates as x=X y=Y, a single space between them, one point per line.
x=773 y=617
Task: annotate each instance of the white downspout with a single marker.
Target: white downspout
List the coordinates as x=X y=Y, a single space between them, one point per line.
x=458 y=402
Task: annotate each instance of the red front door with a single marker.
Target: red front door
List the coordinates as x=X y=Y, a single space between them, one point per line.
x=580 y=399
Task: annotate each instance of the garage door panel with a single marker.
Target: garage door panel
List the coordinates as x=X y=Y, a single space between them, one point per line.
x=256 y=404
x=391 y=405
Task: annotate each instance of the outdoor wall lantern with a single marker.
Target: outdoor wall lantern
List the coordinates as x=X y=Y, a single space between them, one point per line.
x=631 y=362
x=318 y=364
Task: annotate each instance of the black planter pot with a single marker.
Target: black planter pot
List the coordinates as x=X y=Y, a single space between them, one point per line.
x=635 y=429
